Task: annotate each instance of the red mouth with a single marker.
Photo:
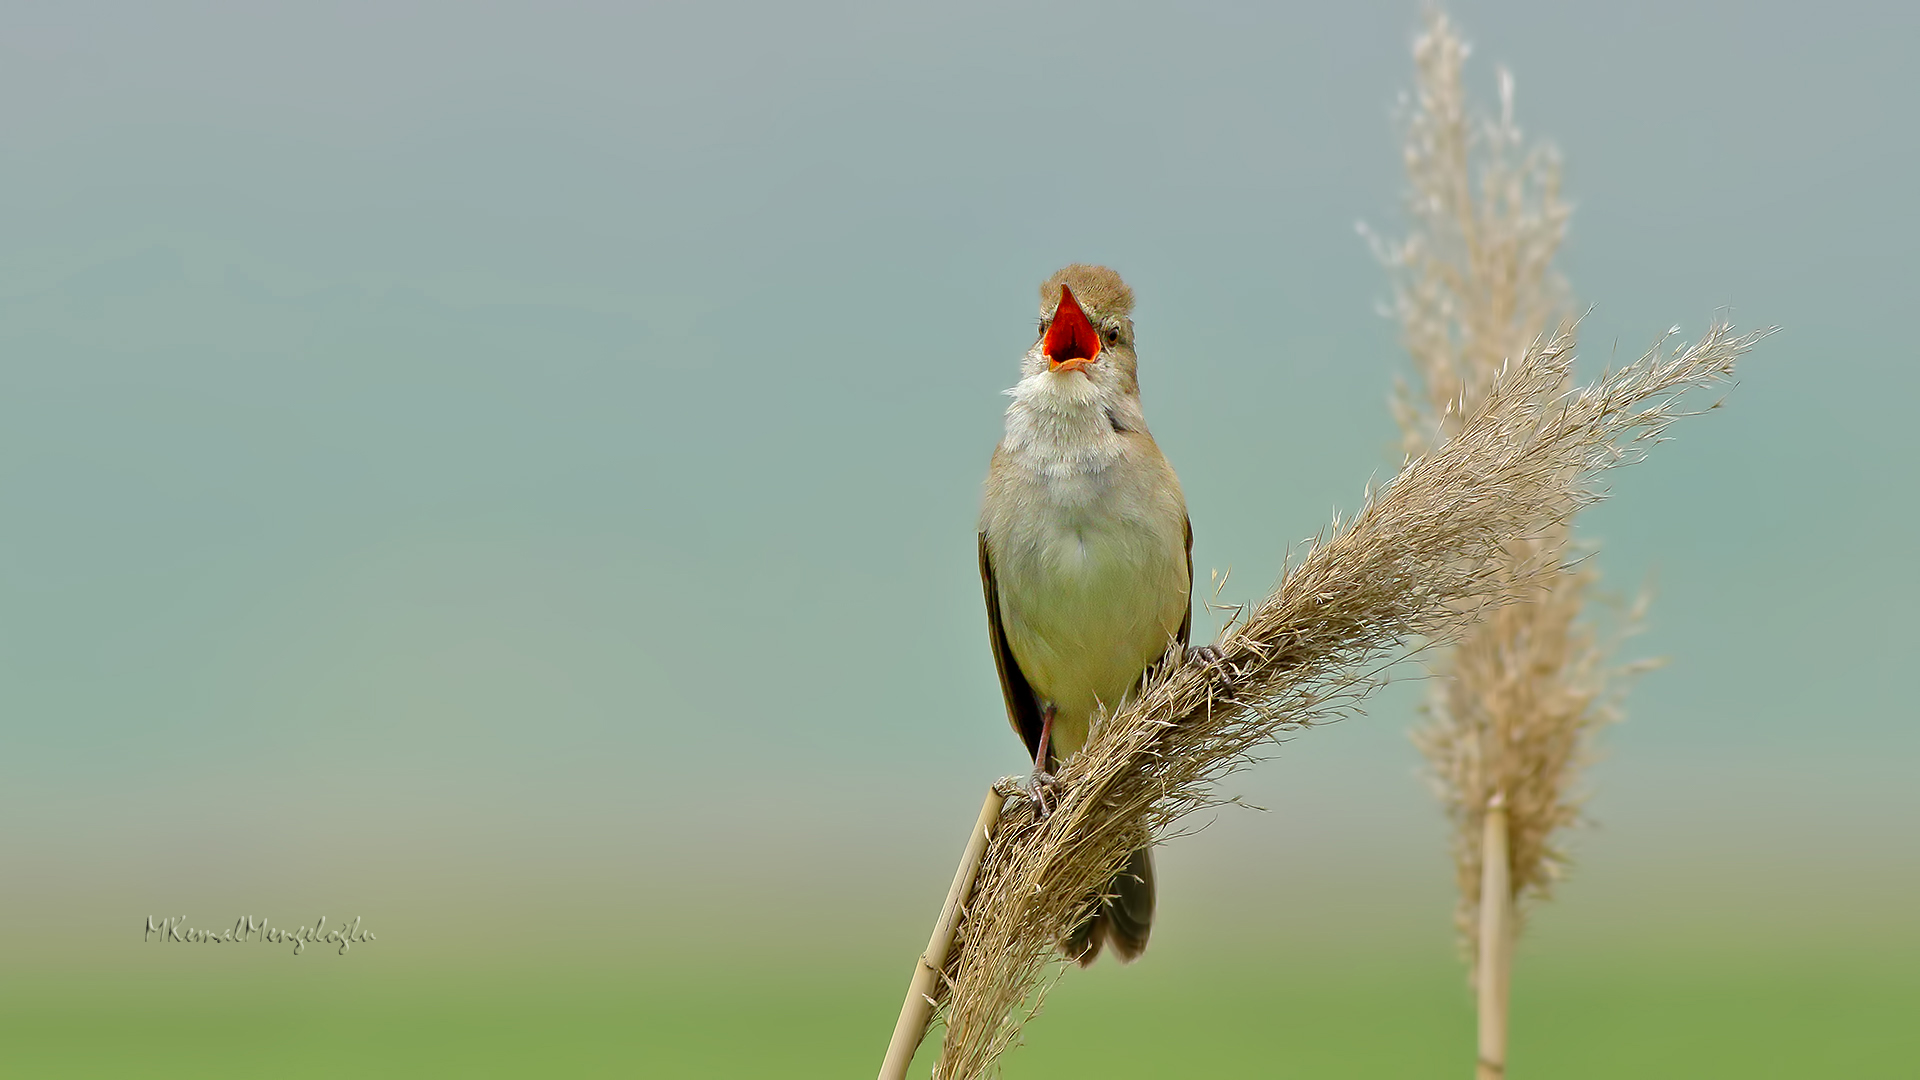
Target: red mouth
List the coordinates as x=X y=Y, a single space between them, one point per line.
x=1071 y=342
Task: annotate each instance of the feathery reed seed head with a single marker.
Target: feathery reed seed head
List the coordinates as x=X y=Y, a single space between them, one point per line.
x=1524 y=692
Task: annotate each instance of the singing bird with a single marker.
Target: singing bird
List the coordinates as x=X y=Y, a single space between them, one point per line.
x=1086 y=555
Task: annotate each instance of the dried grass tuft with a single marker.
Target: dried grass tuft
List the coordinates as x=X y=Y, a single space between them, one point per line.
x=1525 y=691
x=1427 y=554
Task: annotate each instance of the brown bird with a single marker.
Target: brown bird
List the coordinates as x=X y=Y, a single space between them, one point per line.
x=1086 y=555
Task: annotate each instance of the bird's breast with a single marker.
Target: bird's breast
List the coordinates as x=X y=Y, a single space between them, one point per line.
x=1093 y=584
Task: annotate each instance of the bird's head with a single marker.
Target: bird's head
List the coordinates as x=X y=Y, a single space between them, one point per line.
x=1085 y=333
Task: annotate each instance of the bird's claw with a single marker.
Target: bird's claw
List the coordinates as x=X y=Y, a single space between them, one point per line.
x=1213 y=666
x=1041 y=787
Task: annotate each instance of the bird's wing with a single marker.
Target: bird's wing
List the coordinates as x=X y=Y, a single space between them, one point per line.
x=1022 y=710
x=1186 y=621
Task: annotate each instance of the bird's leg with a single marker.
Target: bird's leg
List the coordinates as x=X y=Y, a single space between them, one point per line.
x=1203 y=654
x=1042 y=782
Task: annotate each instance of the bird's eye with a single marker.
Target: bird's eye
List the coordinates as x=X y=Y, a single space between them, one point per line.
x=1113 y=337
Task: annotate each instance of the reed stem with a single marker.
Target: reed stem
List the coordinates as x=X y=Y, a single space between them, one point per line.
x=1496 y=941
x=917 y=1010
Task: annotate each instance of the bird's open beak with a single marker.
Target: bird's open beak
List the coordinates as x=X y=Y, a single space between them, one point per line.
x=1071 y=342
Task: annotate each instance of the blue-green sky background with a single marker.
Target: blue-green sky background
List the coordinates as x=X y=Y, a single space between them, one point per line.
x=473 y=464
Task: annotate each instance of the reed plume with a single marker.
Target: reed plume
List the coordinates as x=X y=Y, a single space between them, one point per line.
x=1425 y=557
x=1525 y=690
x=1511 y=722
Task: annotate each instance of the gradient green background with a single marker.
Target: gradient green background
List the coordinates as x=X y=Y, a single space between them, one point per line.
x=509 y=473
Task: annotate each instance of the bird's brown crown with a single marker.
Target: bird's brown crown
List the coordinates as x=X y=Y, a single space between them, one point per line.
x=1099 y=290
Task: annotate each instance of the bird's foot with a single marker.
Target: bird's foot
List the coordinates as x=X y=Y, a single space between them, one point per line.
x=1043 y=787
x=1213 y=666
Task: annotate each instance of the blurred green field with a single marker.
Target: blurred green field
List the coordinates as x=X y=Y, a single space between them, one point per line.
x=1260 y=1012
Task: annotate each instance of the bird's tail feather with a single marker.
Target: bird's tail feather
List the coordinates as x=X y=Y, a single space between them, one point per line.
x=1123 y=918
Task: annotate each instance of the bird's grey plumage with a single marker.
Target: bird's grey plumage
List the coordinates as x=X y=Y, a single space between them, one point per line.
x=1085 y=555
